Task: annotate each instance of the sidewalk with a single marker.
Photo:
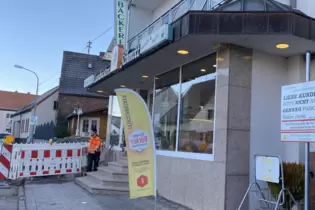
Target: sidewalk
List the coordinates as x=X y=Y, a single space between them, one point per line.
x=12 y=198
x=69 y=196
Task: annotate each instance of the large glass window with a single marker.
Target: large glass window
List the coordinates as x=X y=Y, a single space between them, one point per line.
x=197 y=107
x=193 y=95
x=165 y=110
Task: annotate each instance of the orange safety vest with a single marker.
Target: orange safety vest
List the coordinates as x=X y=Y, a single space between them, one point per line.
x=94 y=144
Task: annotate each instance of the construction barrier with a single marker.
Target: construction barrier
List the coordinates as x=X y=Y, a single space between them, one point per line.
x=31 y=160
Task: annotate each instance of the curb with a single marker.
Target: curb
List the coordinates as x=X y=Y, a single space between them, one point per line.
x=22 y=201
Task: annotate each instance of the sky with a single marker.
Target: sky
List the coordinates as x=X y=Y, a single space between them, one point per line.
x=34 y=34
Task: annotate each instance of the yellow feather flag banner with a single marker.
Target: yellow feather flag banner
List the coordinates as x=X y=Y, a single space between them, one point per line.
x=140 y=143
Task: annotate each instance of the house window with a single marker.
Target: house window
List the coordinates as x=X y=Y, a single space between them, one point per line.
x=27 y=125
x=22 y=126
x=94 y=124
x=8 y=115
x=183 y=114
x=85 y=127
x=55 y=105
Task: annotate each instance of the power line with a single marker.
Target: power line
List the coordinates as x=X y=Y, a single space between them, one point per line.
x=102 y=34
x=51 y=77
x=89 y=43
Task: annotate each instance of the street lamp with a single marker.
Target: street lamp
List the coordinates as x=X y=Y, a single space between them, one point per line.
x=78 y=112
x=35 y=105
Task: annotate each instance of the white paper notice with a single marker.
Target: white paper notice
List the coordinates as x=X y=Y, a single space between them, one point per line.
x=298 y=112
x=267 y=169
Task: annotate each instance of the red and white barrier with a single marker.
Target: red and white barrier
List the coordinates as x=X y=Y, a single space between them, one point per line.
x=5 y=161
x=31 y=160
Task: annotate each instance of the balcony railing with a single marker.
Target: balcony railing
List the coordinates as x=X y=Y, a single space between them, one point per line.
x=172 y=15
x=169 y=17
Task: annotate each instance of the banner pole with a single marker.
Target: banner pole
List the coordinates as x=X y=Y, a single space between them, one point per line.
x=154 y=146
x=307 y=145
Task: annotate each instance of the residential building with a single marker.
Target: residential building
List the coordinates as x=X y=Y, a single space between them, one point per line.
x=46 y=110
x=76 y=67
x=226 y=61
x=10 y=102
x=88 y=120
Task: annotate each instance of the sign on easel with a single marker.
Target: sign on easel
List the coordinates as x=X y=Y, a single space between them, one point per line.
x=267 y=169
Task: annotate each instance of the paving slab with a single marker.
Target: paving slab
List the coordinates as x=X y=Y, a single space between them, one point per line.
x=69 y=196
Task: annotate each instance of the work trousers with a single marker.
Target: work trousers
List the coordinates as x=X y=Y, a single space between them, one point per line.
x=93 y=160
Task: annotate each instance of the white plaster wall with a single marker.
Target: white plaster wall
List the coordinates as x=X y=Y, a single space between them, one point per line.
x=163 y=8
x=307 y=6
x=4 y=121
x=139 y=19
x=287 y=2
x=269 y=74
x=45 y=111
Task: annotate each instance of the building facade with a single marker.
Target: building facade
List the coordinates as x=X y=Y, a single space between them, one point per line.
x=76 y=67
x=11 y=102
x=88 y=120
x=212 y=73
x=46 y=110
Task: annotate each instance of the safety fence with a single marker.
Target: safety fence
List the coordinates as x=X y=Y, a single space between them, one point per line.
x=31 y=160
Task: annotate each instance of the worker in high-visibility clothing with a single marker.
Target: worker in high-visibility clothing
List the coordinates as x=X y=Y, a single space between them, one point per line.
x=94 y=150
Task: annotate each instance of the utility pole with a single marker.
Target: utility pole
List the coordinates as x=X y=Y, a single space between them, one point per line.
x=89 y=46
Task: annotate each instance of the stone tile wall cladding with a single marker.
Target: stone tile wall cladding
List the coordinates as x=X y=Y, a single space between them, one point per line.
x=218 y=184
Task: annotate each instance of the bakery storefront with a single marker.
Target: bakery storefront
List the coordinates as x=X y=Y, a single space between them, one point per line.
x=212 y=83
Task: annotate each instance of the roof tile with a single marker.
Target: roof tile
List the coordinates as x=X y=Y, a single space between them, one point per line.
x=14 y=100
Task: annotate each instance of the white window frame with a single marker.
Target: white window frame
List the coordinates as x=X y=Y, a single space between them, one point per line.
x=187 y=155
x=90 y=124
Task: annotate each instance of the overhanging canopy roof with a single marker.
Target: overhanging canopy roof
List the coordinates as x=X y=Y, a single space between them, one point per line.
x=256 y=24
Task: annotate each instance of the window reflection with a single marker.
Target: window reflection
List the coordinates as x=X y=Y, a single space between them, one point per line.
x=165 y=110
x=197 y=107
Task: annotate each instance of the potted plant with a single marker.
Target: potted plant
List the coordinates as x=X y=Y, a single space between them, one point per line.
x=293 y=181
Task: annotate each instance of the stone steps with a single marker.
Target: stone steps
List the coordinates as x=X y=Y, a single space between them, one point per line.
x=111 y=179
x=121 y=166
x=113 y=173
x=94 y=187
x=104 y=180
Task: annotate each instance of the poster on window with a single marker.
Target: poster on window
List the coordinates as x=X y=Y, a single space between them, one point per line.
x=298 y=112
x=140 y=143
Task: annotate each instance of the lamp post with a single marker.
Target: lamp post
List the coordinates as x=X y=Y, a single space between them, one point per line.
x=78 y=112
x=35 y=105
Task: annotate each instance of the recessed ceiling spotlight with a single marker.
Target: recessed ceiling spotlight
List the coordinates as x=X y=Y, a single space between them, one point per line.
x=282 y=46
x=145 y=76
x=182 y=52
x=100 y=91
x=122 y=86
x=203 y=70
x=215 y=66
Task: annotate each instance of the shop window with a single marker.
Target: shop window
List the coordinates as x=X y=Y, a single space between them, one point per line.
x=197 y=106
x=165 y=110
x=183 y=114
